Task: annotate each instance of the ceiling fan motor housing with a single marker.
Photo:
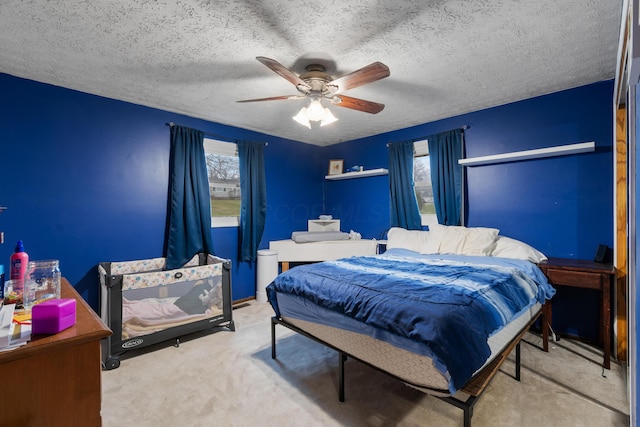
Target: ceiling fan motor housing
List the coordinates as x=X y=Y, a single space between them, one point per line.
x=316 y=77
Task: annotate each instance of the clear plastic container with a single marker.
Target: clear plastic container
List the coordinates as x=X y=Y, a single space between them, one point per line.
x=13 y=292
x=41 y=282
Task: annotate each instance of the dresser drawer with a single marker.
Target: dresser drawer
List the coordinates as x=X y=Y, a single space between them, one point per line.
x=578 y=279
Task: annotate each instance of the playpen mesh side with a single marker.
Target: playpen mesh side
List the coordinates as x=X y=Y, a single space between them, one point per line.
x=154 y=299
x=148 y=309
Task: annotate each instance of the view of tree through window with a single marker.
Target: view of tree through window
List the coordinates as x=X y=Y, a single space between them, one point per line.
x=422 y=180
x=224 y=179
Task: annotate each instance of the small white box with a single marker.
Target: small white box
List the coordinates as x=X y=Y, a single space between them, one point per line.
x=323 y=225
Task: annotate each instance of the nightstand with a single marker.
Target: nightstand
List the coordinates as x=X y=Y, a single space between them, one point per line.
x=588 y=275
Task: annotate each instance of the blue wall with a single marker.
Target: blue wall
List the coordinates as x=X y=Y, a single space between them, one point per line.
x=561 y=205
x=85 y=180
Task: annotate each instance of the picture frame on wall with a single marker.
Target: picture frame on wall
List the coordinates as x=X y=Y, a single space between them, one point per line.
x=336 y=166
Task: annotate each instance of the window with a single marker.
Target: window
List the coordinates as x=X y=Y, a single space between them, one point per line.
x=224 y=182
x=422 y=180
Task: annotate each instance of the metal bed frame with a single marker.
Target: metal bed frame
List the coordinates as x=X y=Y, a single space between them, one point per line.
x=474 y=387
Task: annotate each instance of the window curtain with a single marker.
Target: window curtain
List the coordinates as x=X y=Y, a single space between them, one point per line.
x=404 y=205
x=253 y=190
x=189 y=211
x=445 y=149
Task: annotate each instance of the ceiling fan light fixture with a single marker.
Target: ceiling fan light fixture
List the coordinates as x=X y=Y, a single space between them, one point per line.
x=328 y=118
x=302 y=118
x=315 y=112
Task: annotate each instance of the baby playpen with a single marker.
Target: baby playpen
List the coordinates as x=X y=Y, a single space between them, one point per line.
x=145 y=304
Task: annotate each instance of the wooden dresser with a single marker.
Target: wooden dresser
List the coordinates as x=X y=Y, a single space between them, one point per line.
x=54 y=380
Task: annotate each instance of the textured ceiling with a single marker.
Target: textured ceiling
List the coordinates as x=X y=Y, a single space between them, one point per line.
x=197 y=57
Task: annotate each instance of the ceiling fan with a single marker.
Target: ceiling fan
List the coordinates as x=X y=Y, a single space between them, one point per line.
x=317 y=85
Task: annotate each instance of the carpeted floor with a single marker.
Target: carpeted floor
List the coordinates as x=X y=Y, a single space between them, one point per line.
x=229 y=379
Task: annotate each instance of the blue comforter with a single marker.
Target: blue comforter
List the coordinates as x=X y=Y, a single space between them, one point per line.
x=451 y=304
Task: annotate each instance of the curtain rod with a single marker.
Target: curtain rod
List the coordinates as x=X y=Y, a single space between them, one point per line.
x=214 y=136
x=463 y=128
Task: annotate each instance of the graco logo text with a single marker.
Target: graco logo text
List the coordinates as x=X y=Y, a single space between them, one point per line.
x=132 y=343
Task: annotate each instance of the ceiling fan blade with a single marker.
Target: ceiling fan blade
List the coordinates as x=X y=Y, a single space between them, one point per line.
x=274 y=98
x=357 y=104
x=364 y=75
x=283 y=71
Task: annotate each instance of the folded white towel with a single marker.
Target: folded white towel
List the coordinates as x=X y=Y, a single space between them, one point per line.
x=318 y=236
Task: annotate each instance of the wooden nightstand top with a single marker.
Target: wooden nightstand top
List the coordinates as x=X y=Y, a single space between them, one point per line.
x=577 y=265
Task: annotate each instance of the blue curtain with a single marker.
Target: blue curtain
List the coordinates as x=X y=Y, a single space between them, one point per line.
x=445 y=149
x=189 y=213
x=404 y=205
x=253 y=190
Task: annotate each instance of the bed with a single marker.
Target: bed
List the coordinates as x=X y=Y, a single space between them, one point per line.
x=440 y=310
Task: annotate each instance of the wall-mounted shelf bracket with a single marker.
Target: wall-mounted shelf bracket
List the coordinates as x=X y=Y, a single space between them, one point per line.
x=562 y=150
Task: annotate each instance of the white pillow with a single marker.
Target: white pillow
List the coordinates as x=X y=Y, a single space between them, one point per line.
x=406 y=239
x=461 y=240
x=432 y=245
x=506 y=247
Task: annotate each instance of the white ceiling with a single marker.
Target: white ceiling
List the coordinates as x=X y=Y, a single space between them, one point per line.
x=197 y=57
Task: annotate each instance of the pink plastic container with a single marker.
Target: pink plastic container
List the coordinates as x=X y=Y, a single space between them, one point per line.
x=53 y=316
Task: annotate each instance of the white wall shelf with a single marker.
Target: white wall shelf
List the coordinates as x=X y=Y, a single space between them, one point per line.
x=562 y=150
x=359 y=174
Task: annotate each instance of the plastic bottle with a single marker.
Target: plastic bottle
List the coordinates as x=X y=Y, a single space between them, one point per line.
x=19 y=261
